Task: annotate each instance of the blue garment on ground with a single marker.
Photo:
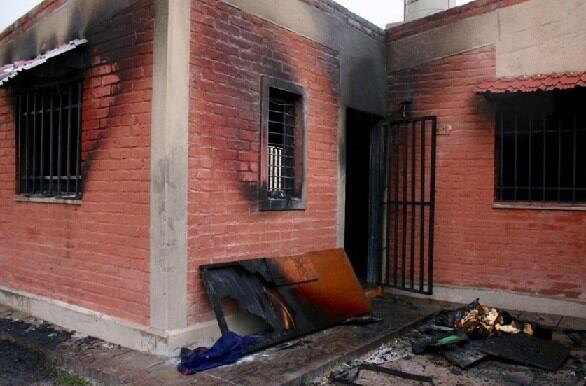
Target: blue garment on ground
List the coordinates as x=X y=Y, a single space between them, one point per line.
x=227 y=350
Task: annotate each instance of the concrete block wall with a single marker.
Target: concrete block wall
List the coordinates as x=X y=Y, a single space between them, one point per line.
x=95 y=254
x=527 y=251
x=230 y=52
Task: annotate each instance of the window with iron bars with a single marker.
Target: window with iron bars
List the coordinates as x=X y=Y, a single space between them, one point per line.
x=541 y=148
x=48 y=134
x=283 y=140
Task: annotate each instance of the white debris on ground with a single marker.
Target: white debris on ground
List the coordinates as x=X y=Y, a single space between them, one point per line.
x=389 y=352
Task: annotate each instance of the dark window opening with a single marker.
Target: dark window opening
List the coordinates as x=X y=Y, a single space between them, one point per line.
x=283 y=148
x=356 y=219
x=48 y=129
x=541 y=147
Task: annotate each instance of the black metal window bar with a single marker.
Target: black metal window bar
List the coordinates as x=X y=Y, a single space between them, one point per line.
x=48 y=128
x=541 y=150
x=281 y=144
x=409 y=204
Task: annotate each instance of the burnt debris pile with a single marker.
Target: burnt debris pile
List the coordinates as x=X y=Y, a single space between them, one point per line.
x=470 y=334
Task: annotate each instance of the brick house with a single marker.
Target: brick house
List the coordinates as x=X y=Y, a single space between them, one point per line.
x=140 y=139
x=105 y=216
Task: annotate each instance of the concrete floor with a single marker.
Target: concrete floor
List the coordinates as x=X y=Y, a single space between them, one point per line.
x=296 y=363
x=301 y=362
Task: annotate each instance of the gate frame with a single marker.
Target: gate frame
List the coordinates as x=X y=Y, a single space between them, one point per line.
x=380 y=163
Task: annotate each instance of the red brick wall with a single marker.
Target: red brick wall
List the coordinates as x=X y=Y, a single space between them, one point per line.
x=94 y=255
x=230 y=51
x=530 y=251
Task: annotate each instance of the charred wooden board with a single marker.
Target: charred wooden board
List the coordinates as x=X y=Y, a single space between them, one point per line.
x=466 y=355
x=294 y=295
x=527 y=350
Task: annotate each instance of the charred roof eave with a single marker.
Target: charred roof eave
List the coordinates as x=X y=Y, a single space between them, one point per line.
x=11 y=71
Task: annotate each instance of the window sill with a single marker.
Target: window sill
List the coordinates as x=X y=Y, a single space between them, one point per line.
x=539 y=206
x=47 y=200
x=269 y=205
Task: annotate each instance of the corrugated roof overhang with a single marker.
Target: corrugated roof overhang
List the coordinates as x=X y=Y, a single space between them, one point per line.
x=12 y=70
x=550 y=82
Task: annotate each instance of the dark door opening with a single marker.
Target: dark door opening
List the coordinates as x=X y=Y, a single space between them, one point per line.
x=356 y=225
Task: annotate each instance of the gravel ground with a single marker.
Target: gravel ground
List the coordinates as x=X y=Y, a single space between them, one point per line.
x=19 y=366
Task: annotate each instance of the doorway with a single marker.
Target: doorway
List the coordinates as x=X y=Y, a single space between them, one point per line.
x=359 y=126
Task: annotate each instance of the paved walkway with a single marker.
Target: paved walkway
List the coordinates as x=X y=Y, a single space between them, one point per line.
x=294 y=364
x=297 y=363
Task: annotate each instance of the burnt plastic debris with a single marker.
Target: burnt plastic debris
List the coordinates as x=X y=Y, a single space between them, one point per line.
x=480 y=321
x=294 y=295
x=472 y=333
x=440 y=342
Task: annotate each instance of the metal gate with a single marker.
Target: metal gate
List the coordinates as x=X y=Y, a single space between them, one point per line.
x=408 y=204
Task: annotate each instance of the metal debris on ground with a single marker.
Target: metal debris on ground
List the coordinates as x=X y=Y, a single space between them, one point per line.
x=362 y=320
x=577 y=336
x=350 y=376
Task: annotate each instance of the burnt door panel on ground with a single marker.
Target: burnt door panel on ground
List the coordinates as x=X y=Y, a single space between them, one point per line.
x=408 y=205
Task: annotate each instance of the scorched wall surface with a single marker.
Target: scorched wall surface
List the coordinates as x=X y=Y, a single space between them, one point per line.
x=230 y=52
x=96 y=254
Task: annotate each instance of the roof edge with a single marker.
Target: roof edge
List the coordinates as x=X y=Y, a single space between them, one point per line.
x=533 y=83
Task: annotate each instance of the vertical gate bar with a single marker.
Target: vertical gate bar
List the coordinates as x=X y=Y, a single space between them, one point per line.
x=59 y=141
x=501 y=156
x=284 y=182
x=422 y=219
x=78 y=150
x=575 y=123
x=397 y=139
x=544 y=153
x=68 y=153
x=51 y=142
x=19 y=125
x=413 y=205
x=34 y=166
x=404 y=205
x=27 y=150
x=530 y=152
x=432 y=204
x=559 y=157
x=516 y=153
x=41 y=169
x=387 y=184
